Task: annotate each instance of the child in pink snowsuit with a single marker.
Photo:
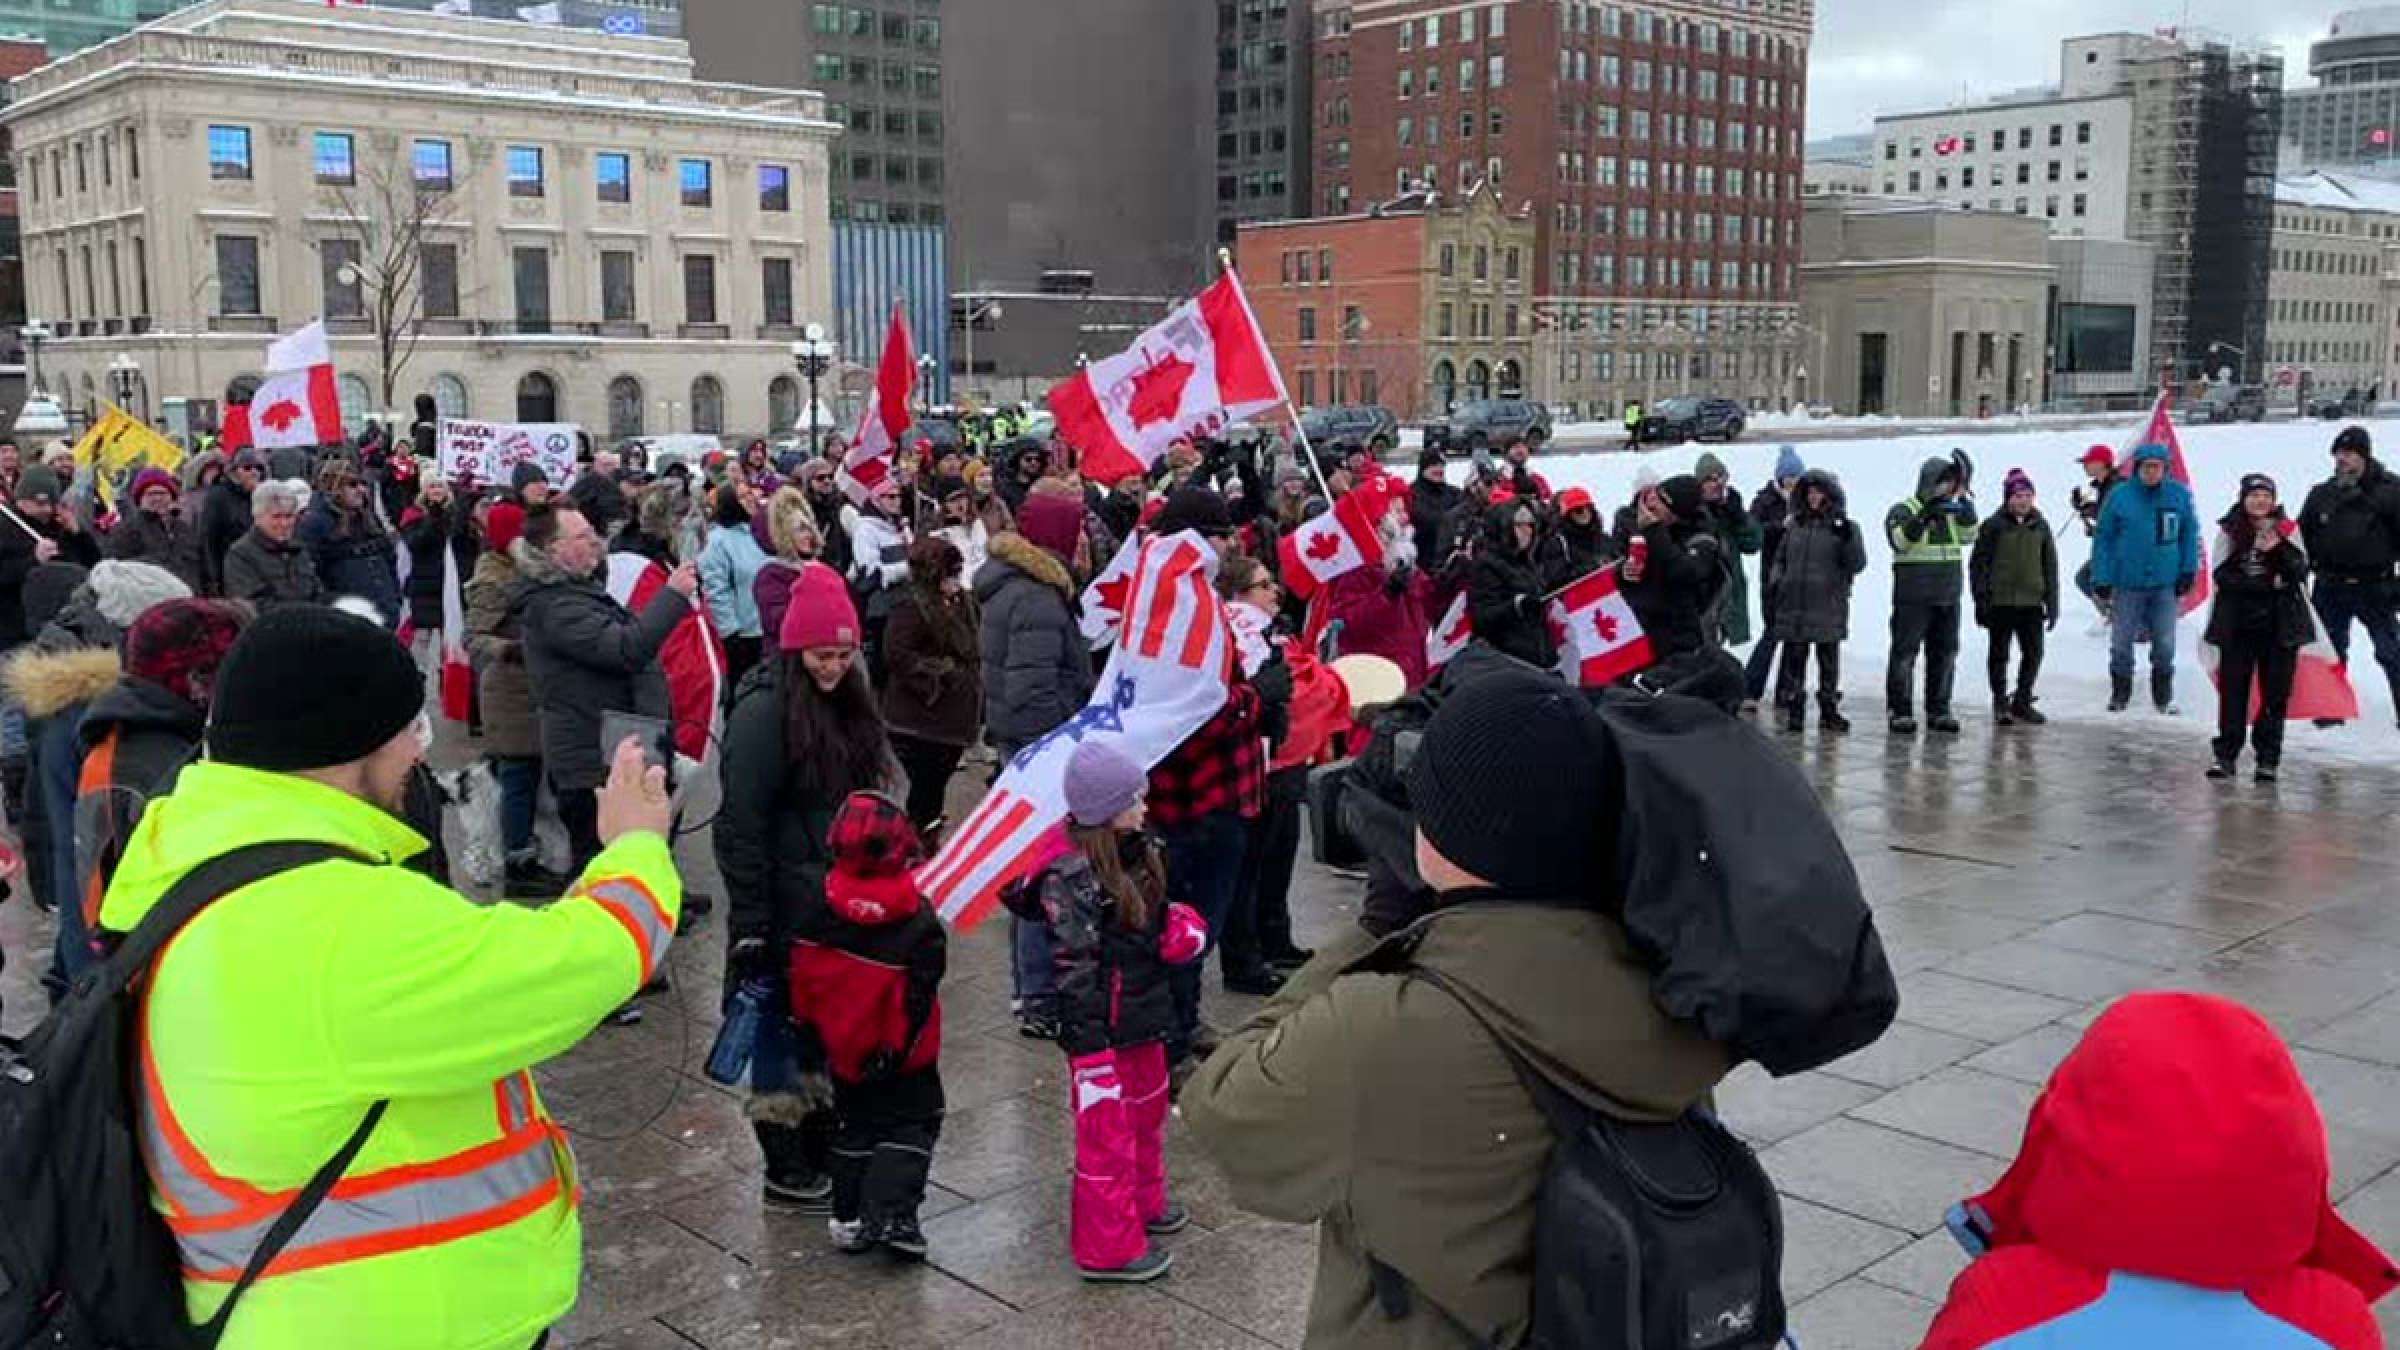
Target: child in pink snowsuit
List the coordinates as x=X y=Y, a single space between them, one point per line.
x=1114 y=936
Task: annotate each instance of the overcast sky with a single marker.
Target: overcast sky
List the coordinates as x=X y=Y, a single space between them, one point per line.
x=1887 y=56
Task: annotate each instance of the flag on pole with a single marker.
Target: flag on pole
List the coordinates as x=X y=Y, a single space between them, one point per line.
x=1599 y=640
x=2160 y=431
x=1451 y=636
x=2321 y=688
x=1104 y=599
x=693 y=658
x=1167 y=676
x=1337 y=543
x=297 y=403
x=886 y=417
x=1203 y=368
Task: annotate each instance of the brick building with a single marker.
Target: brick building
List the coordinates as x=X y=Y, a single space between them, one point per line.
x=1414 y=305
x=18 y=56
x=1660 y=148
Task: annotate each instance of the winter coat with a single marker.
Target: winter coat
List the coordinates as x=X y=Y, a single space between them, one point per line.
x=1431 y=509
x=353 y=555
x=224 y=519
x=1682 y=586
x=878 y=564
x=55 y=685
x=2149 y=536
x=2014 y=564
x=1037 y=669
x=1112 y=982
x=1736 y=533
x=770 y=837
x=587 y=655
x=865 y=980
x=1382 y=614
x=425 y=531
x=2353 y=529
x=17 y=561
x=933 y=663
x=2097 y=1236
x=1504 y=593
x=1770 y=510
x=1815 y=568
x=1929 y=540
x=1378 y=1106
x=136 y=737
x=729 y=568
x=266 y=574
x=162 y=541
x=504 y=688
x=2259 y=594
x=771 y=591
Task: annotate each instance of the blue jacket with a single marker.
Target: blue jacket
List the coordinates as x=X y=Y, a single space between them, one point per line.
x=728 y=578
x=2148 y=537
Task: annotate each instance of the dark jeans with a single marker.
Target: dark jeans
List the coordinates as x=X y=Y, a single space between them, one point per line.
x=929 y=765
x=883 y=1148
x=2271 y=664
x=579 y=811
x=1791 y=683
x=2370 y=603
x=1204 y=866
x=2021 y=625
x=1757 y=668
x=1260 y=927
x=520 y=792
x=1935 y=629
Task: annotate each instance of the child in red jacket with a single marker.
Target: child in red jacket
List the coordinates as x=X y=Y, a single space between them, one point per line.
x=864 y=985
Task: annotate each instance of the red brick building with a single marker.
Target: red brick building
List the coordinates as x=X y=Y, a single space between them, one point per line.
x=1660 y=146
x=1413 y=305
x=17 y=56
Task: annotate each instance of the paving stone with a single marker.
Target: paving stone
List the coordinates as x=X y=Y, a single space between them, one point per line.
x=2221 y=915
x=1895 y=1179
x=1114 y=1319
x=1859 y=1314
x=2124 y=939
x=1977 y=1009
x=1905 y=1052
x=2072 y=975
x=1959 y=1106
x=1822 y=1246
x=2029 y=1058
x=1004 y=1144
x=2375 y=1208
x=1763 y=1109
x=1923 y=1268
x=856 y=1303
x=2370 y=1033
x=638 y=1264
x=1255 y=1275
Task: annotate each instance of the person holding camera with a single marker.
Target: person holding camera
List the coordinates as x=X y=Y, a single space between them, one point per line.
x=1930 y=534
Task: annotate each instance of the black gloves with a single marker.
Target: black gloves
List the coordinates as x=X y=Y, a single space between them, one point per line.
x=2050 y=619
x=2183 y=584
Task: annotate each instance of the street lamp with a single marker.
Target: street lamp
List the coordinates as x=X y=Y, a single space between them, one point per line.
x=2215 y=347
x=814 y=356
x=123 y=373
x=34 y=334
x=926 y=367
x=977 y=313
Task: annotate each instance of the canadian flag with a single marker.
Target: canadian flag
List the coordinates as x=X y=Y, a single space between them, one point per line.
x=458 y=672
x=2321 y=689
x=883 y=420
x=1599 y=640
x=1451 y=636
x=693 y=658
x=1336 y=543
x=1203 y=368
x=297 y=403
x=2160 y=430
x=1104 y=599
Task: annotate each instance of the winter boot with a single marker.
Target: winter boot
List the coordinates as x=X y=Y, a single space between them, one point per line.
x=1941 y=723
x=1829 y=714
x=849 y=1235
x=903 y=1239
x=2265 y=773
x=2120 y=692
x=1795 y=717
x=2222 y=768
x=524 y=878
x=2162 y=692
x=1903 y=723
x=2002 y=714
x=2021 y=707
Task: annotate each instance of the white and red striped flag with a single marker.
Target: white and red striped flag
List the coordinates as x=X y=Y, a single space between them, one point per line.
x=1451 y=636
x=297 y=404
x=1599 y=640
x=458 y=672
x=1168 y=675
x=693 y=657
x=886 y=417
x=2160 y=430
x=1337 y=543
x=1203 y=368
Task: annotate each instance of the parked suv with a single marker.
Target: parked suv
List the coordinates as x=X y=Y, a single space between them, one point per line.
x=2231 y=403
x=1349 y=426
x=1691 y=419
x=1489 y=424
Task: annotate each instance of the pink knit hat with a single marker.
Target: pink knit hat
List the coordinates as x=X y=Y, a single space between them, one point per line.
x=821 y=614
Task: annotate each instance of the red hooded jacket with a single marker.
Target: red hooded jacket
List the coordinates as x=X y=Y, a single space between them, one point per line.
x=866 y=981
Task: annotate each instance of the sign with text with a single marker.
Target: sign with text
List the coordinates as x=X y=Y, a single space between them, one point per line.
x=489 y=452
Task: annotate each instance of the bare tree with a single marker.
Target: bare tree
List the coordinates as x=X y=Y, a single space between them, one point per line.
x=385 y=217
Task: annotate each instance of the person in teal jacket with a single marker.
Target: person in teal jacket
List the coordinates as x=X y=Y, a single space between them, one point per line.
x=729 y=568
x=2145 y=557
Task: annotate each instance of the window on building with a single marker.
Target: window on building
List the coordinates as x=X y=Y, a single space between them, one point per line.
x=237 y=273
x=775 y=280
x=437 y=281
x=1324 y=265
x=698 y=182
x=338 y=270
x=429 y=164
x=228 y=153
x=334 y=158
x=618 y=303
x=1495 y=70
x=2057 y=133
x=774 y=187
x=612 y=175
x=1354 y=324
x=530 y=271
x=525 y=171
x=699 y=288
x=1308 y=323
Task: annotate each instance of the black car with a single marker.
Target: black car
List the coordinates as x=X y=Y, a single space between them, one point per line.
x=1489 y=424
x=2352 y=402
x=1691 y=419
x=2231 y=403
x=1352 y=426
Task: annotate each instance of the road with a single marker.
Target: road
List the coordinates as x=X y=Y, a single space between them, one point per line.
x=1843 y=430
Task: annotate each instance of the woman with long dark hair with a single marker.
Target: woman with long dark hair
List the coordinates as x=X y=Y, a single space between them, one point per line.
x=729 y=568
x=796 y=745
x=2257 y=625
x=933 y=688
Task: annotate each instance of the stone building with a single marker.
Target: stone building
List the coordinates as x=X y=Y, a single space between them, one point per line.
x=2330 y=286
x=551 y=223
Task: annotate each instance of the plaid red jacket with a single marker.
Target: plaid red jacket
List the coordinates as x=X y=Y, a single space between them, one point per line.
x=1220 y=767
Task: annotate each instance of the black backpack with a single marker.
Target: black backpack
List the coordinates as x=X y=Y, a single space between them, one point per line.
x=85 y=1262
x=1646 y=1236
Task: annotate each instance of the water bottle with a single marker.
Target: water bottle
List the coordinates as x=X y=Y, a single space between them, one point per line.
x=729 y=1058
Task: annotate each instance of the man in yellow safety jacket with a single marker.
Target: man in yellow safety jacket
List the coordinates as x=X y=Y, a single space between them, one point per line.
x=280 y=1015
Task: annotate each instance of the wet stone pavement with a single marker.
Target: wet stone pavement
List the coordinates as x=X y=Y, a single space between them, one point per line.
x=2021 y=879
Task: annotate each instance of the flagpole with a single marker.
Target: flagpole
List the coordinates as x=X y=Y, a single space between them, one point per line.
x=1308 y=452
x=1604 y=567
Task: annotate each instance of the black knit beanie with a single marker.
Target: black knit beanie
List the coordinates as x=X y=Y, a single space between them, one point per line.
x=1511 y=783
x=309 y=687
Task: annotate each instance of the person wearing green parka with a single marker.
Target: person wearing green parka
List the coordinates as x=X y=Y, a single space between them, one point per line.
x=2013 y=578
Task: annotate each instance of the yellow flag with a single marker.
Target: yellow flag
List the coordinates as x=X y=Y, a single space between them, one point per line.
x=119 y=443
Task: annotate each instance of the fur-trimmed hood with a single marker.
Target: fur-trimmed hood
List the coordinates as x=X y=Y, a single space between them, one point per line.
x=534 y=567
x=48 y=682
x=1023 y=554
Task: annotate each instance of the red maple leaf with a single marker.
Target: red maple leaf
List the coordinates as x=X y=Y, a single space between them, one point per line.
x=1459 y=631
x=1322 y=546
x=1607 y=624
x=1158 y=392
x=280 y=414
x=1113 y=593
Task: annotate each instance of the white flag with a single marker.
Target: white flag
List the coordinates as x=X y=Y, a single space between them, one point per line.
x=545 y=13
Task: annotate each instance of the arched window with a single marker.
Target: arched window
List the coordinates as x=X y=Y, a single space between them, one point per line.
x=1479 y=380
x=1445 y=385
x=357 y=402
x=1511 y=380
x=449 y=395
x=708 y=406
x=624 y=408
x=783 y=405
x=537 y=398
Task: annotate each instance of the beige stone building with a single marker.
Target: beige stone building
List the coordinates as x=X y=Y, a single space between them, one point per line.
x=2330 y=286
x=1918 y=308
x=540 y=223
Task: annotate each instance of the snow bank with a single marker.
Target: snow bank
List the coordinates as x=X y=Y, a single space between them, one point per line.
x=1878 y=472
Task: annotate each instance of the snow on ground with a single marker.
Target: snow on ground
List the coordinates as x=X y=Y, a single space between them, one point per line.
x=1768 y=423
x=1876 y=473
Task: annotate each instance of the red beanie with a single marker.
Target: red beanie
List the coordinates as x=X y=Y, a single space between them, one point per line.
x=502 y=526
x=821 y=614
x=1052 y=519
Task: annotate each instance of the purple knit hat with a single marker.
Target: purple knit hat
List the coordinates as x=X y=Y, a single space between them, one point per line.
x=1101 y=783
x=2016 y=481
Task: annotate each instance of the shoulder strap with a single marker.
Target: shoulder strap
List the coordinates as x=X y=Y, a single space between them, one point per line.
x=198 y=888
x=1564 y=1113
x=287 y=1224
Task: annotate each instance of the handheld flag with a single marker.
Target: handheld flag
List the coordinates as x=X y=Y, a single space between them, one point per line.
x=2321 y=688
x=1599 y=640
x=2160 y=430
x=882 y=422
x=693 y=658
x=1104 y=599
x=297 y=403
x=1198 y=371
x=1337 y=543
x=1451 y=636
